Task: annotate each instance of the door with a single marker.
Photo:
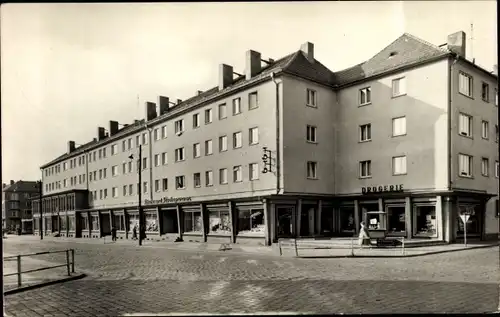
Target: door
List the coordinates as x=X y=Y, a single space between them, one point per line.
x=284 y=221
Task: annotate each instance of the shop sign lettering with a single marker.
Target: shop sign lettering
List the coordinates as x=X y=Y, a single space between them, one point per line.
x=382 y=189
x=167 y=200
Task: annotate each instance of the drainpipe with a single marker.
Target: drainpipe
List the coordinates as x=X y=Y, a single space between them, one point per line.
x=151 y=161
x=278 y=152
x=450 y=128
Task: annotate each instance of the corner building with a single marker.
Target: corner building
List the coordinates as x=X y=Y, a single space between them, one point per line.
x=291 y=148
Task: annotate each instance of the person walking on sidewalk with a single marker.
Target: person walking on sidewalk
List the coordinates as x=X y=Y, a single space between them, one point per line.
x=134 y=233
x=113 y=233
x=364 y=236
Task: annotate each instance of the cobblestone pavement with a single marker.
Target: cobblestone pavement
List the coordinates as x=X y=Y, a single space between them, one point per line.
x=126 y=279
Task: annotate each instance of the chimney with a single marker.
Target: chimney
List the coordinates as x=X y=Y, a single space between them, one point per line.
x=101 y=134
x=11 y=182
x=136 y=121
x=179 y=101
x=71 y=146
x=225 y=76
x=253 y=62
x=308 y=49
x=198 y=92
x=95 y=139
x=150 y=110
x=4 y=185
x=113 y=127
x=163 y=102
x=456 y=43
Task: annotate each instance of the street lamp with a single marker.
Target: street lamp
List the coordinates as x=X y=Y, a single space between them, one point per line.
x=139 y=192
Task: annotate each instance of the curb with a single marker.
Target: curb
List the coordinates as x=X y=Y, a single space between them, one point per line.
x=394 y=256
x=35 y=286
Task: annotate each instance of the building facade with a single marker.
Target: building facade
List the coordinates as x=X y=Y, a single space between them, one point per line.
x=291 y=148
x=16 y=205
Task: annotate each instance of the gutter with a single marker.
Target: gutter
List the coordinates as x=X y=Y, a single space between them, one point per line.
x=151 y=161
x=278 y=131
x=450 y=128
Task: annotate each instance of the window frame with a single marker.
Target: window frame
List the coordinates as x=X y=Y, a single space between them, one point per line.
x=207 y=142
x=487 y=161
x=361 y=134
x=311 y=95
x=180 y=150
x=470 y=165
x=196 y=150
x=177 y=178
x=209 y=178
x=236 y=169
x=367 y=91
x=234 y=140
x=251 y=140
x=369 y=169
x=221 y=170
x=222 y=137
x=485 y=95
x=219 y=107
x=470 y=84
x=394 y=158
x=470 y=126
x=234 y=106
x=197 y=180
x=311 y=131
x=250 y=175
x=196 y=122
x=393 y=126
x=209 y=116
x=312 y=166
x=485 y=127
x=253 y=93
x=402 y=91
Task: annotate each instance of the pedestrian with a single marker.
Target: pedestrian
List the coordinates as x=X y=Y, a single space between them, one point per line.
x=113 y=233
x=134 y=233
x=364 y=235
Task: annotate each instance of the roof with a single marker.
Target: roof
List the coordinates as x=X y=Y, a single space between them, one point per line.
x=405 y=51
x=22 y=186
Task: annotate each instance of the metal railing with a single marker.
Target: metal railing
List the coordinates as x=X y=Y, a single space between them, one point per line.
x=333 y=244
x=70 y=263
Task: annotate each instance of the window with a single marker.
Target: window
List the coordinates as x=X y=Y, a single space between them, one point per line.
x=222 y=111
x=365 y=169
x=156 y=134
x=103 y=153
x=223 y=176
x=144 y=138
x=124 y=190
x=124 y=169
x=465 y=84
x=137 y=140
x=254 y=136
x=129 y=143
x=237 y=177
x=237 y=140
x=209 y=178
x=399 y=165
x=179 y=154
x=219 y=222
x=196 y=150
x=485 y=129
x=95 y=175
x=94 y=156
x=365 y=96
x=65 y=182
x=311 y=133
x=114 y=149
x=223 y=143
x=114 y=191
x=180 y=182
x=114 y=170
x=197 y=180
x=399 y=87
x=208 y=116
x=164 y=132
x=100 y=175
x=253 y=101
x=465 y=125
x=145 y=187
x=496 y=169
x=253 y=171
x=131 y=189
x=144 y=163
x=179 y=126
x=164 y=183
x=196 y=120
x=157 y=185
x=312 y=170
x=251 y=221
x=193 y=222
x=311 y=98
x=164 y=160
x=124 y=145
x=130 y=167
x=105 y=193
x=208 y=147
x=485 y=92
x=398 y=126
x=465 y=165
x=157 y=159
x=485 y=166
x=236 y=106
x=100 y=156
x=65 y=166
x=365 y=132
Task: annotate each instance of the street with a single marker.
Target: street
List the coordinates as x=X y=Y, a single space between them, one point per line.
x=127 y=279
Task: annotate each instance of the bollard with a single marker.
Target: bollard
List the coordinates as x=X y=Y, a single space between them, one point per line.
x=352 y=246
x=403 y=246
x=67 y=262
x=296 y=250
x=19 y=270
x=73 y=260
x=279 y=244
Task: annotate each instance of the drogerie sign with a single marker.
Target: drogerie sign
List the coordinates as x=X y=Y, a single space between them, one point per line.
x=166 y=200
x=382 y=189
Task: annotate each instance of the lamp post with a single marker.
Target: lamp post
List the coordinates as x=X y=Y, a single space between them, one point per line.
x=139 y=192
x=40 y=183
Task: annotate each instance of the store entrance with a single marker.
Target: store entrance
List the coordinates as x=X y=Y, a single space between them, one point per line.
x=284 y=221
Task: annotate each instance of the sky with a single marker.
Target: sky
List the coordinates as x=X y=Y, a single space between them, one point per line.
x=68 y=68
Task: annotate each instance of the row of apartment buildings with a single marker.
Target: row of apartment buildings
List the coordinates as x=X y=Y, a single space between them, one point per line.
x=16 y=205
x=291 y=148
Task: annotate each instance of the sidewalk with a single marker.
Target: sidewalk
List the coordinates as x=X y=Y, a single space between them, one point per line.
x=336 y=250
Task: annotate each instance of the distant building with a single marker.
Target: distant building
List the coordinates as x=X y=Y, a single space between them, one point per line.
x=292 y=149
x=16 y=205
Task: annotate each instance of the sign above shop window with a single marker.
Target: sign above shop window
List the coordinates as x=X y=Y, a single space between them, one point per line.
x=382 y=189
x=166 y=200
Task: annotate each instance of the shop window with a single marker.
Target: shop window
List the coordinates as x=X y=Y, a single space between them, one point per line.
x=63 y=223
x=396 y=220
x=424 y=221
x=251 y=221
x=219 y=222
x=193 y=221
x=95 y=223
x=151 y=222
x=327 y=227
x=347 y=224
x=133 y=221
x=169 y=222
x=36 y=223
x=119 y=222
x=71 y=223
x=472 y=223
x=85 y=223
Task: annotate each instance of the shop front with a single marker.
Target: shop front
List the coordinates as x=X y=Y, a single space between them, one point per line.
x=192 y=223
x=119 y=222
x=171 y=222
x=219 y=221
x=250 y=222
